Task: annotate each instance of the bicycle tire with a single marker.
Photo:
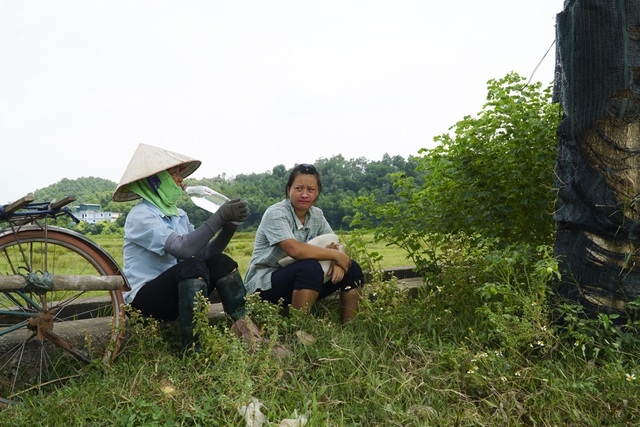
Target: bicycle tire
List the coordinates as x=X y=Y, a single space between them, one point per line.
x=27 y=359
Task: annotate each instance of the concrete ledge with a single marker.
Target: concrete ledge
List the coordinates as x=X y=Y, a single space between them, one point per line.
x=405 y=272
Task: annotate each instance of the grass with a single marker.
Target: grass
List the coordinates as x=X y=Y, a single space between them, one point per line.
x=241 y=247
x=473 y=348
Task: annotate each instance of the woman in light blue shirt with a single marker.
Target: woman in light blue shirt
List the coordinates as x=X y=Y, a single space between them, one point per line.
x=286 y=229
x=167 y=262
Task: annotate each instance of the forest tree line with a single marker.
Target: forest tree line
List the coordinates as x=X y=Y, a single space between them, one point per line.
x=343 y=182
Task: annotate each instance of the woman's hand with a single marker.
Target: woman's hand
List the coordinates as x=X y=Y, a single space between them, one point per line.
x=340 y=265
x=336 y=273
x=233 y=210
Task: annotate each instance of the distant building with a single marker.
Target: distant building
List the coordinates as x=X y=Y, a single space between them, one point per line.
x=91 y=213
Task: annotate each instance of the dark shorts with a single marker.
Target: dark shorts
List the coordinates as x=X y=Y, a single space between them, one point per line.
x=308 y=274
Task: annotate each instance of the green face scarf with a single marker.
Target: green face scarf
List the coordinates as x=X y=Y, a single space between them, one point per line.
x=159 y=189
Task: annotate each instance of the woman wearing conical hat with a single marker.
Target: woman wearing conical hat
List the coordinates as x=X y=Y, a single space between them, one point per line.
x=167 y=261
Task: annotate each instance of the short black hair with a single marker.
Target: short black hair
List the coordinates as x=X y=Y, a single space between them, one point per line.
x=303 y=168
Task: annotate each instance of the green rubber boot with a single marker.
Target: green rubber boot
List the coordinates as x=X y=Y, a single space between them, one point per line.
x=232 y=292
x=187 y=291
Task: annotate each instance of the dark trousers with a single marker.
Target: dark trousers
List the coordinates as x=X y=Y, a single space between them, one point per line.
x=308 y=274
x=158 y=298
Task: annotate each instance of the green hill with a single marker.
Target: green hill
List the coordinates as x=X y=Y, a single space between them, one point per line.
x=86 y=190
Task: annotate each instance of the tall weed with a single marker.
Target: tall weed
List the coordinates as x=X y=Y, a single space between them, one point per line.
x=460 y=350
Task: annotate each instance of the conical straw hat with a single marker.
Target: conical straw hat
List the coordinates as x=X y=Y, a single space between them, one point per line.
x=149 y=160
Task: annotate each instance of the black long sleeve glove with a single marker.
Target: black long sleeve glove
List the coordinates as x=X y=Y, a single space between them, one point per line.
x=235 y=210
x=188 y=245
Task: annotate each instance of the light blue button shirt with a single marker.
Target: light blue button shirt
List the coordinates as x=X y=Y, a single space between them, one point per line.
x=279 y=223
x=145 y=232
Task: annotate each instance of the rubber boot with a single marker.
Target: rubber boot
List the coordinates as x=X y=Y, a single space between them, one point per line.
x=232 y=292
x=187 y=291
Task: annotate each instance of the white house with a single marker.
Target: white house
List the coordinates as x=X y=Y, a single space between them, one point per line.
x=91 y=213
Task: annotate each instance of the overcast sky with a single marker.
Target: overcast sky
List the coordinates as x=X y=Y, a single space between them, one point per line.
x=248 y=85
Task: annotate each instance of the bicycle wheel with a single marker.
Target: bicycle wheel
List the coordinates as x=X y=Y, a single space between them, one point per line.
x=48 y=335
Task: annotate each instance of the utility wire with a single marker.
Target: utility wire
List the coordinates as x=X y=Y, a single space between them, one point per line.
x=538 y=66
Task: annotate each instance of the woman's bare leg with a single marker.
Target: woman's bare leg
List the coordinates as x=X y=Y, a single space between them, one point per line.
x=350 y=304
x=303 y=299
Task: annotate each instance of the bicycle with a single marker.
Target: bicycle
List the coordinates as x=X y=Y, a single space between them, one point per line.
x=54 y=282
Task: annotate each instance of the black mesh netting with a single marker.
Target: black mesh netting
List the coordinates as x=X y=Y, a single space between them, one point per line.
x=597 y=83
